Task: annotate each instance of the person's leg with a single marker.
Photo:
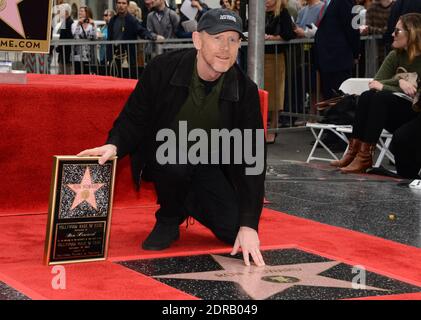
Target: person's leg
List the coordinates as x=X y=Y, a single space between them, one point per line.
x=214 y=203
x=172 y=184
x=270 y=86
x=361 y=113
x=358 y=129
x=78 y=68
x=386 y=110
x=405 y=146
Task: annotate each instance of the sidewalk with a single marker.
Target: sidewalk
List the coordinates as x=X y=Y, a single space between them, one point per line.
x=368 y=203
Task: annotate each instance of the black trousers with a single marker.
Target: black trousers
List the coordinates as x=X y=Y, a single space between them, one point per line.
x=406 y=147
x=199 y=191
x=378 y=110
x=82 y=67
x=331 y=81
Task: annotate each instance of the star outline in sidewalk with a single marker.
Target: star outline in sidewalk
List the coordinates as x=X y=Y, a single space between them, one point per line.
x=278 y=277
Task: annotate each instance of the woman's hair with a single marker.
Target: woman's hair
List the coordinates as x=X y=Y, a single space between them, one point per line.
x=66 y=8
x=221 y=2
x=110 y=12
x=280 y=5
x=137 y=12
x=88 y=11
x=412 y=25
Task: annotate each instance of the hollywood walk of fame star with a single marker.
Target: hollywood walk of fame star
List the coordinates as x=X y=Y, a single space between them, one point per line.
x=9 y=13
x=85 y=191
x=263 y=282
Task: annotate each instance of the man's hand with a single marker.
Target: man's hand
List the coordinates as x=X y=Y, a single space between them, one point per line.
x=196 y=4
x=271 y=37
x=299 y=32
x=106 y=152
x=364 y=30
x=159 y=38
x=248 y=240
x=407 y=88
x=376 y=85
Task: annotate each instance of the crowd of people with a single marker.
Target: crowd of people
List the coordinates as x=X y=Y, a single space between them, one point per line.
x=335 y=26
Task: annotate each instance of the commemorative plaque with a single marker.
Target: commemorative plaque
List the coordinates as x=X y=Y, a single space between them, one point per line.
x=79 y=214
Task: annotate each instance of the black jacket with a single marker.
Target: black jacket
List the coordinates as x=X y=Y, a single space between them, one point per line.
x=157 y=99
x=337 y=43
x=132 y=30
x=400 y=7
x=65 y=33
x=281 y=25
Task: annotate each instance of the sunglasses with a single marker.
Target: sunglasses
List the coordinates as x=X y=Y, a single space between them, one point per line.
x=398 y=31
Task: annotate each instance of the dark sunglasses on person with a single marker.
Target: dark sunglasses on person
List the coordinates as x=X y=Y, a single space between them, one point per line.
x=398 y=31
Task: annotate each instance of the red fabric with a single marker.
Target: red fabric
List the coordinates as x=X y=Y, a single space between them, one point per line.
x=57 y=115
x=22 y=245
x=264 y=103
x=60 y=115
x=65 y=114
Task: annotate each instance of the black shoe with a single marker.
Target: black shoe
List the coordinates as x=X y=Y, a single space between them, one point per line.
x=161 y=236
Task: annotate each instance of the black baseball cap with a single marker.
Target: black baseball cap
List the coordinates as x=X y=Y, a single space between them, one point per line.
x=216 y=21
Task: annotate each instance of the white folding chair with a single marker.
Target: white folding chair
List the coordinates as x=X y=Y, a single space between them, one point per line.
x=351 y=86
x=355 y=85
x=314 y=126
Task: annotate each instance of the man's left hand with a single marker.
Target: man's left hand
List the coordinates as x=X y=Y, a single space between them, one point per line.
x=248 y=240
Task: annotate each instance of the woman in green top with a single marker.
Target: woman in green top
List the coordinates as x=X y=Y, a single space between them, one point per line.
x=380 y=108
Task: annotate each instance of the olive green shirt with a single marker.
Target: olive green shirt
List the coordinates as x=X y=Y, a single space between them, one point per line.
x=390 y=66
x=200 y=110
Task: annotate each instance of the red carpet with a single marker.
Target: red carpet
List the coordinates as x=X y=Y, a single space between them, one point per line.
x=54 y=115
x=58 y=115
x=22 y=242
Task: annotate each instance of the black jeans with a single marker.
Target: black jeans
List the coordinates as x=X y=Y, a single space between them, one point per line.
x=378 y=110
x=199 y=191
x=406 y=147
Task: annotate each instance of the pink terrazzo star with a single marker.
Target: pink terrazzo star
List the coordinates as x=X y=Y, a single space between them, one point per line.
x=9 y=13
x=85 y=191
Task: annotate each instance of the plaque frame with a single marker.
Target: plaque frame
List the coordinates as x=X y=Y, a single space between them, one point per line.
x=84 y=221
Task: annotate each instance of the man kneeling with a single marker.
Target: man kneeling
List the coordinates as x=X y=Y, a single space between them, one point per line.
x=204 y=88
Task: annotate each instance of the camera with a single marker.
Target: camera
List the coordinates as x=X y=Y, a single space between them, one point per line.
x=86 y=20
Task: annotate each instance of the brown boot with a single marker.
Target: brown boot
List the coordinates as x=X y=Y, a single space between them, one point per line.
x=363 y=160
x=353 y=147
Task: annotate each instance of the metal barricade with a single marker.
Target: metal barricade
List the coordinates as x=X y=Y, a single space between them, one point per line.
x=293 y=87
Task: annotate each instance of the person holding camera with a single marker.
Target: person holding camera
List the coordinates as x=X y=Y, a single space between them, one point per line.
x=84 y=28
